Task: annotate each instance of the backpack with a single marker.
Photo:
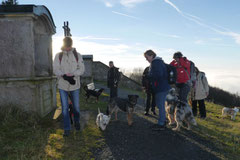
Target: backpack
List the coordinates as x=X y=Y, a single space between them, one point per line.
x=171 y=74
x=74 y=53
x=192 y=75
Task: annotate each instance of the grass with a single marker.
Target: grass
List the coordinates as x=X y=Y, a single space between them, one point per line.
x=222 y=131
x=26 y=136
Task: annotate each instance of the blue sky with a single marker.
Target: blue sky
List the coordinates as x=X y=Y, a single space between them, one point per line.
x=205 y=31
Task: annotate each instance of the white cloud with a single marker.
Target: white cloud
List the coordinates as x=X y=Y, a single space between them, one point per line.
x=167 y=35
x=131 y=3
x=174 y=6
x=235 y=36
x=199 y=42
x=108 y=4
x=98 y=38
x=124 y=55
x=122 y=14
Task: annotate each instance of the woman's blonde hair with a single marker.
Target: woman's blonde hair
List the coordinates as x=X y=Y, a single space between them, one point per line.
x=67 y=42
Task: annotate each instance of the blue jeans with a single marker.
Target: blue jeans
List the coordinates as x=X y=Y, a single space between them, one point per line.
x=65 y=110
x=160 y=98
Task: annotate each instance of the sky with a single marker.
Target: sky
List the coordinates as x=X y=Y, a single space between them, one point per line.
x=207 y=32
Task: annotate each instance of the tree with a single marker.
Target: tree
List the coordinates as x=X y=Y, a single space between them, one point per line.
x=9 y=2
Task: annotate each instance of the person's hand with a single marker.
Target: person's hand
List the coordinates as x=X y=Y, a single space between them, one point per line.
x=207 y=93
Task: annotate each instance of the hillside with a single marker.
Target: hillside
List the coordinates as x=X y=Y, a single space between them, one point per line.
x=24 y=136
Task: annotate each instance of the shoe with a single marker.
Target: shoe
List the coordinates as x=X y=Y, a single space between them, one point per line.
x=146 y=113
x=158 y=127
x=66 y=133
x=77 y=126
x=154 y=113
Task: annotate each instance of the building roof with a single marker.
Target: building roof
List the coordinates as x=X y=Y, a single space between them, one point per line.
x=39 y=10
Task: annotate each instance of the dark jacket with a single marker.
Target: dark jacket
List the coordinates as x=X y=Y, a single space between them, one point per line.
x=146 y=83
x=113 y=77
x=158 y=76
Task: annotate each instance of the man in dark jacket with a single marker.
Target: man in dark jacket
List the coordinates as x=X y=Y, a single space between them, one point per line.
x=146 y=83
x=113 y=79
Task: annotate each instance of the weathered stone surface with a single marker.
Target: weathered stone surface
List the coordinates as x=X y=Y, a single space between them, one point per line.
x=26 y=76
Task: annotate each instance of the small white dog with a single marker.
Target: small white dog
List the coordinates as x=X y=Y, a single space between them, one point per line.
x=230 y=112
x=102 y=120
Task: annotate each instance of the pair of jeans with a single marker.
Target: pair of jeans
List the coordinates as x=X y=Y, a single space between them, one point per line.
x=65 y=108
x=160 y=98
x=150 y=102
x=202 y=108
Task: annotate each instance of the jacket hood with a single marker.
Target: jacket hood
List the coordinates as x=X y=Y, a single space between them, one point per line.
x=157 y=58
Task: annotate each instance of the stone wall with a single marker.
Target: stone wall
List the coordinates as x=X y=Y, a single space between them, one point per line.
x=100 y=74
x=26 y=76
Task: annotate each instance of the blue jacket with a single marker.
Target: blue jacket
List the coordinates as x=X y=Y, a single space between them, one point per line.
x=158 y=76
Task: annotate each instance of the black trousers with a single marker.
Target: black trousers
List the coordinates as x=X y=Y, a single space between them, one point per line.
x=183 y=90
x=113 y=92
x=202 y=108
x=150 y=102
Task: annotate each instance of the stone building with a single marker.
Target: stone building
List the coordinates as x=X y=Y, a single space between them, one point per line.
x=26 y=76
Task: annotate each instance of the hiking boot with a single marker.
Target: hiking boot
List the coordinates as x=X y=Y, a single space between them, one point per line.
x=77 y=126
x=158 y=127
x=66 y=133
x=154 y=113
x=146 y=113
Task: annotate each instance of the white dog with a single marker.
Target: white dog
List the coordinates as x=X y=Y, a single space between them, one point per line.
x=230 y=111
x=102 y=120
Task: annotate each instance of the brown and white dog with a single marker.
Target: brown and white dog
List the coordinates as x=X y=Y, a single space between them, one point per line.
x=125 y=105
x=230 y=112
x=178 y=111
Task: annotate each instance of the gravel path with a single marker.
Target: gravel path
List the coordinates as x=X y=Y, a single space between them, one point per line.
x=139 y=142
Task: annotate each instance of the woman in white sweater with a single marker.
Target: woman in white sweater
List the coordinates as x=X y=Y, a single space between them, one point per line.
x=201 y=91
x=68 y=66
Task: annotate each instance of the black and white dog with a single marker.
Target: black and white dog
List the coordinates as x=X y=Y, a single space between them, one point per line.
x=178 y=111
x=94 y=93
x=125 y=105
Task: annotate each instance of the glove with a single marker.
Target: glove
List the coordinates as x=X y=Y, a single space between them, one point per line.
x=69 y=79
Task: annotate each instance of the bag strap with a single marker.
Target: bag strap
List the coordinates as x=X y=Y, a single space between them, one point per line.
x=74 y=53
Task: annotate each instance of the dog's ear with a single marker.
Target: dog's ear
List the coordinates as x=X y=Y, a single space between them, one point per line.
x=136 y=96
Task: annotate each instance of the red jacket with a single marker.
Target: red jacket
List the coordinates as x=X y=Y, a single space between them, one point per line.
x=182 y=66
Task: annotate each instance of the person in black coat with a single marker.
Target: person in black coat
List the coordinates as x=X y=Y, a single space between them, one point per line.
x=146 y=83
x=113 y=78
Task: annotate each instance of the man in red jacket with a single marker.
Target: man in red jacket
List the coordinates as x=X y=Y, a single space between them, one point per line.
x=183 y=75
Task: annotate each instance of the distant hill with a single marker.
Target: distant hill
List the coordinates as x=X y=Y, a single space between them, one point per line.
x=219 y=96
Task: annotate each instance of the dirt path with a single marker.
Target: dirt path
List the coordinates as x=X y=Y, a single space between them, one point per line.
x=139 y=142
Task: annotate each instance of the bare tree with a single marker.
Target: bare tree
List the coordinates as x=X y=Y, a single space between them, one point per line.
x=136 y=75
x=9 y=2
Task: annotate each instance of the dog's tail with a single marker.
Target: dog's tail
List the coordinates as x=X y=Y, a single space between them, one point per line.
x=99 y=110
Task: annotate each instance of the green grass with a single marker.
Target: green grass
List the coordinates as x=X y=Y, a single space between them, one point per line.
x=26 y=136
x=222 y=131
